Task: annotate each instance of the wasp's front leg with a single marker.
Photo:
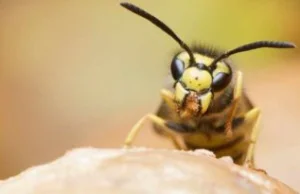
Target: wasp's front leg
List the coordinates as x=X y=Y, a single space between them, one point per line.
x=168 y=97
x=253 y=116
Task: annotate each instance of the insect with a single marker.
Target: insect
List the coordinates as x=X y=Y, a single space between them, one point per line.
x=206 y=107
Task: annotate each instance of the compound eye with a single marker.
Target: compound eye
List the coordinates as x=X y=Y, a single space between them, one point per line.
x=177 y=68
x=220 y=81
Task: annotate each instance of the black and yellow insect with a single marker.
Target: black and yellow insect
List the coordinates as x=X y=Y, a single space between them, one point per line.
x=207 y=106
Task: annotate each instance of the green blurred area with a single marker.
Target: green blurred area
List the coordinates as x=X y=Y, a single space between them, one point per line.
x=224 y=24
x=73 y=72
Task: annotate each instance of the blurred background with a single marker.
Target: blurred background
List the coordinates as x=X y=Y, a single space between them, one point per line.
x=81 y=73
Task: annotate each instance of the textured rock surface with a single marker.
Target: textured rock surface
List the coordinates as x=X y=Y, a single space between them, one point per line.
x=90 y=170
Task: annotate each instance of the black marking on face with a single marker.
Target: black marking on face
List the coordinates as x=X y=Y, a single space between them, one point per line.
x=202 y=66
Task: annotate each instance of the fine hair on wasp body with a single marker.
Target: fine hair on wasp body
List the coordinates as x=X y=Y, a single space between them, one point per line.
x=206 y=106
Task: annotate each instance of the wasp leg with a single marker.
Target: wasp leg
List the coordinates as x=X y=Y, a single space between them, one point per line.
x=156 y=120
x=252 y=116
x=236 y=97
x=168 y=97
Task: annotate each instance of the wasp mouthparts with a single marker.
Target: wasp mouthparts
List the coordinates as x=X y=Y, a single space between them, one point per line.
x=191 y=106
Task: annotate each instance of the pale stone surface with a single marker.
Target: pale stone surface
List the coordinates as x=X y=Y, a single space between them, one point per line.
x=140 y=170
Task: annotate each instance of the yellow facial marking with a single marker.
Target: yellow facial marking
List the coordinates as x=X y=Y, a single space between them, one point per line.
x=221 y=67
x=196 y=79
x=180 y=92
x=205 y=101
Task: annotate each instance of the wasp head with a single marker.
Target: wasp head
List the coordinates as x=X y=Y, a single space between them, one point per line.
x=196 y=82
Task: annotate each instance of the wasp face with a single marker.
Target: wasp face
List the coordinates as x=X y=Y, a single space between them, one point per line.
x=195 y=84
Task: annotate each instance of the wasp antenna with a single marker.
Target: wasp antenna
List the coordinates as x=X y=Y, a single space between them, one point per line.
x=160 y=25
x=252 y=46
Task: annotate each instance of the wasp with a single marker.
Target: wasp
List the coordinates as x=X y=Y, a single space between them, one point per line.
x=206 y=107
